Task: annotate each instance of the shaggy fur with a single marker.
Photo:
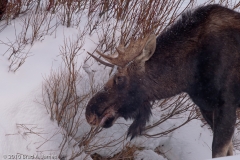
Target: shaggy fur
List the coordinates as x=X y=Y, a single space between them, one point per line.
x=3 y=5
x=199 y=55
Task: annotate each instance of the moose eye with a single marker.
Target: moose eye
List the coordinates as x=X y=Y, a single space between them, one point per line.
x=119 y=80
x=105 y=88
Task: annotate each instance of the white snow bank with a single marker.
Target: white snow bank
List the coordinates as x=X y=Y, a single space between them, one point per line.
x=26 y=129
x=237 y=157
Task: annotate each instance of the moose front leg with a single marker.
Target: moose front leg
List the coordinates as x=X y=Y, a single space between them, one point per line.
x=224 y=119
x=230 y=149
x=208 y=116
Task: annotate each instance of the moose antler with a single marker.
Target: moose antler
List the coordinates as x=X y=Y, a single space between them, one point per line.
x=101 y=61
x=124 y=55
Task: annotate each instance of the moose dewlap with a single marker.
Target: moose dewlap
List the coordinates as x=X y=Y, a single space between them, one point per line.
x=199 y=55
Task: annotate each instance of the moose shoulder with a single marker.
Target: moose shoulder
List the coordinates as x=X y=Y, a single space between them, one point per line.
x=199 y=55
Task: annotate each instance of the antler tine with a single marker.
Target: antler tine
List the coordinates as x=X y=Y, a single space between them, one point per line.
x=108 y=58
x=119 y=50
x=124 y=55
x=101 y=61
x=121 y=42
x=131 y=43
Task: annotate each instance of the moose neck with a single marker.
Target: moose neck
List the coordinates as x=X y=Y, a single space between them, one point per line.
x=172 y=67
x=170 y=70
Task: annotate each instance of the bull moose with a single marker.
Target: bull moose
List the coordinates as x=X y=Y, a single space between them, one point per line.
x=199 y=55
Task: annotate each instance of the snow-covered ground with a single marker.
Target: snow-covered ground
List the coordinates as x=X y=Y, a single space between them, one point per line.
x=25 y=125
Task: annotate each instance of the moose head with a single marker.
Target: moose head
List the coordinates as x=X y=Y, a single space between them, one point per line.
x=124 y=95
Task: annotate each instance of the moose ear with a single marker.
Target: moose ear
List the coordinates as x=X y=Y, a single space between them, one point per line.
x=148 y=49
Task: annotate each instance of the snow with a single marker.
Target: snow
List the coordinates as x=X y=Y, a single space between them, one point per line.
x=26 y=127
x=189 y=142
x=15 y=139
x=237 y=157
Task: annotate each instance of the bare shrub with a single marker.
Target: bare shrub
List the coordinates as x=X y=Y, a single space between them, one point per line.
x=17 y=7
x=62 y=99
x=17 y=51
x=179 y=107
x=131 y=19
x=126 y=154
x=35 y=26
x=68 y=10
x=65 y=94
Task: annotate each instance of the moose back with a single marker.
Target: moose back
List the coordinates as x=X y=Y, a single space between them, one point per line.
x=199 y=55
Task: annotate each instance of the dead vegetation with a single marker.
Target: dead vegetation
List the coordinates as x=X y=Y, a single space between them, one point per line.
x=113 y=21
x=126 y=154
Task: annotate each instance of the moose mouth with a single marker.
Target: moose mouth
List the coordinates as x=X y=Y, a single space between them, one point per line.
x=108 y=118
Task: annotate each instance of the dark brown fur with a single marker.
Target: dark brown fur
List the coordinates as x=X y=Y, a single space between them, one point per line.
x=3 y=5
x=199 y=55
